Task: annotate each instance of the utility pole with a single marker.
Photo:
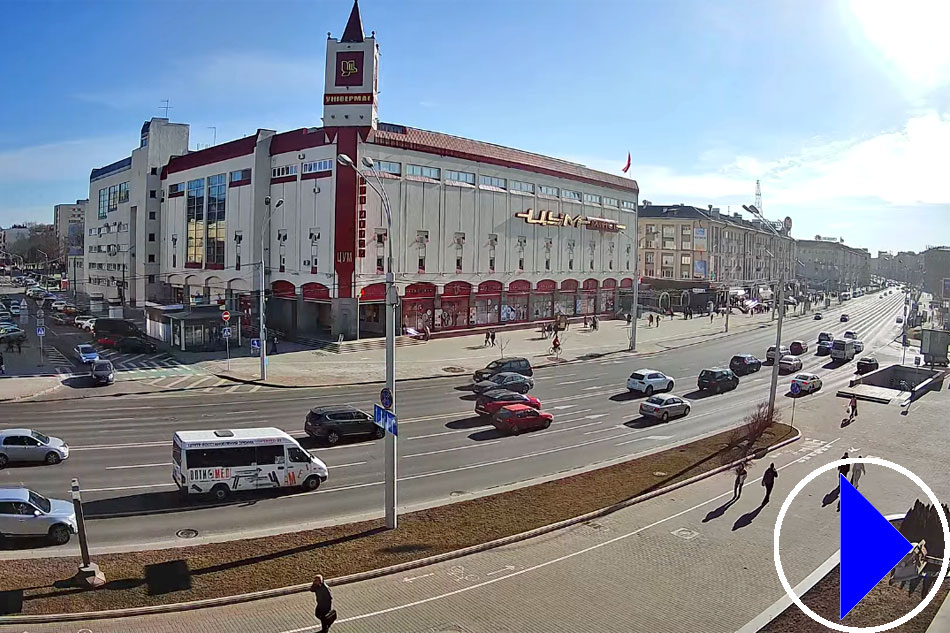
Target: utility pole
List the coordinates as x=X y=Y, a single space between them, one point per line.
x=261 y=295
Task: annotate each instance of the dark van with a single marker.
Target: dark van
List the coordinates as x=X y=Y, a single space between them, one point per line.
x=119 y=327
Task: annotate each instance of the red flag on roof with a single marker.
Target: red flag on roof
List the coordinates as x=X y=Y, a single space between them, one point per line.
x=627 y=166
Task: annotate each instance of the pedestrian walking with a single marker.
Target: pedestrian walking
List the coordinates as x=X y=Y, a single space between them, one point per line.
x=324 y=609
x=741 y=474
x=650 y=320
x=853 y=408
x=711 y=315
x=585 y=320
x=493 y=338
x=19 y=347
x=594 y=323
x=768 y=480
x=844 y=469
x=274 y=344
x=487 y=339
x=857 y=472
x=3 y=368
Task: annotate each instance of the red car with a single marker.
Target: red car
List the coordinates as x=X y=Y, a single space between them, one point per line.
x=106 y=341
x=490 y=402
x=515 y=418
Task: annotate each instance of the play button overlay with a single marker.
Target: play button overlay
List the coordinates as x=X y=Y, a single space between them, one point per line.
x=869 y=546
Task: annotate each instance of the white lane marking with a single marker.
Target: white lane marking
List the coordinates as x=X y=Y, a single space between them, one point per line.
x=177 y=382
x=345 y=465
x=138 y=466
x=233 y=389
x=449 y=450
x=414 y=578
x=574 y=382
x=104 y=447
x=636 y=439
x=196 y=383
x=540 y=565
x=553 y=377
x=563 y=406
x=594 y=416
x=142 y=487
x=255 y=388
x=591 y=388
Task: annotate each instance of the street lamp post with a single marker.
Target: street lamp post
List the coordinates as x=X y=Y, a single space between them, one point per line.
x=263 y=331
x=632 y=346
x=391 y=303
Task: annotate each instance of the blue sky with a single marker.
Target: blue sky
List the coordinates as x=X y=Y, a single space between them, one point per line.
x=841 y=109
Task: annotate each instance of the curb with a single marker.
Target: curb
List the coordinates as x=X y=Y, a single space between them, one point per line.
x=376 y=573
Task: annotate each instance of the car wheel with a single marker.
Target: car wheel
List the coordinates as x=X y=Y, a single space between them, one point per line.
x=649 y=391
x=665 y=417
x=53 y=458
x=547 y=424
x=220 y=492
x=311 y=483
x=59 y=534
x=379 y=433
x=669 y=387
x=685 y=411
x=514 y=430
x=333 y=437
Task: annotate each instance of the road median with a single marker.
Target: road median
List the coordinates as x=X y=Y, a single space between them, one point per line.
x=39 y=590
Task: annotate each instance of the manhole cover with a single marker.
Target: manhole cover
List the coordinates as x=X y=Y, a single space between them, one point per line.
x=186 y=533
x=455 y=370
x=685 y=533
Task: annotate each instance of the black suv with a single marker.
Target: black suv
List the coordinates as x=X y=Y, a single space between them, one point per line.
x=717 y=380
x=743 y=364
x=332 y=423
x=514 y=363
x=136 y=345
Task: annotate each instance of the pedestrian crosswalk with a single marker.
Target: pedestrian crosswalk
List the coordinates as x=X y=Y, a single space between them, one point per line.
x=197 y=385
x=141 y=366
x=57 y=358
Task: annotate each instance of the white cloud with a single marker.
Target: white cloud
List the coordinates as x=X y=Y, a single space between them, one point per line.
x=65 y=160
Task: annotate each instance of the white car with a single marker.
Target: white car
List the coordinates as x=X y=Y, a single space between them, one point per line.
x=15 y=309
x=858 y=346
x=790 y=364
x=648 y=381
x=81 y=321
x=58 y=305
x=88 y=324
x=807 y=383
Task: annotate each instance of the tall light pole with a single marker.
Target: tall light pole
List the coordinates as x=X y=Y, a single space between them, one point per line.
x=263 y=331
x=780 y=305
x=391 y=302
x=632 y=346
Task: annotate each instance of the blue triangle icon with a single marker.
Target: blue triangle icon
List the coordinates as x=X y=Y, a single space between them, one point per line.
x=870 y=547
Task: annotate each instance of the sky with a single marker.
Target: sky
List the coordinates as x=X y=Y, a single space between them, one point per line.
x=841 y=109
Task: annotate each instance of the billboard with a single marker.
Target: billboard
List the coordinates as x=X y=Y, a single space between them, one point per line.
x=699 y=269
x=74 y=239
x=699 y=239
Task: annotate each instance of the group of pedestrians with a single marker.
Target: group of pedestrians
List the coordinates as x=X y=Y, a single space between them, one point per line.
x=593 y=323
x=490 y=338
x=654 y=319
x=768 y=481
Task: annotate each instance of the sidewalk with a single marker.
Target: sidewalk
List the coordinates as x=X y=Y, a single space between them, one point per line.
x=683 y=562
x=464 y=354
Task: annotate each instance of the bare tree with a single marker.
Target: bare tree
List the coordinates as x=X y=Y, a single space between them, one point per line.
x=742 y=440
x=502 y=343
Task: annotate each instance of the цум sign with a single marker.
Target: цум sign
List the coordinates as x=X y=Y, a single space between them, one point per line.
x=550 y=218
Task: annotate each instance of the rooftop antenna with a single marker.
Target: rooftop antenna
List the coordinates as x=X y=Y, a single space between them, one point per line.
x=165 y=106
x=758 y=196
x=214 y=134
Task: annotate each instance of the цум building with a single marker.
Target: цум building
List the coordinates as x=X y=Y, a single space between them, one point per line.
x=483 y=234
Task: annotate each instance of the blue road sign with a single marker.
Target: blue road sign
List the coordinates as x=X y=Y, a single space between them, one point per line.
x=385 y=419
x=386 y=397
x=796 y=389
x=225 y=332
x=870 y=547
x=41 y=331
x=255 y=343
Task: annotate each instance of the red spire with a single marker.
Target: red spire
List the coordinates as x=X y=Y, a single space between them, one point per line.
x=354 y=26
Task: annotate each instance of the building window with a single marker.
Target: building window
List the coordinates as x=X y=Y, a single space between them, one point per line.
x=684 y=260
x=491 y=263
x=124 y=192
x=151 y=279
x=283 y=170
x=151 y=259
x=591 y=198
x=151 y=237
x=241 y=175
x=547 y=262
x=492 y=181
x=379 y=265
x=217 y=226
x=458 y=263
x=626 y=204
x=152 y=193
x=424 y=172
x=103 y=203
x=389 y=167
x=460 y=176
x=151 y=215
x=567 y=194
x=318 y=165
x=521 y=262
x=548 y=191
x=422 y=262
x=611 y=202
x=177 y=188
x=591 y=263
x=525 y=187
x=154 y=171
x=195 y=215
x=570 y=263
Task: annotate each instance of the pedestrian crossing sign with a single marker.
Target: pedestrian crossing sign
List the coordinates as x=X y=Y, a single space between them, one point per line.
x=41 y=331
x=225 y=332
x=255 y=343
x=385 y=419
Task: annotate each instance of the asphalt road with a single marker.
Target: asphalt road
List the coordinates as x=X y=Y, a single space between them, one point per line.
x=121 y=447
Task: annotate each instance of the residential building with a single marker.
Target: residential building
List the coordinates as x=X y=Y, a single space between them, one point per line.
x=827 y=263
x=68 y=223
x=483 y=234
x=122 y=222
x=12 y=235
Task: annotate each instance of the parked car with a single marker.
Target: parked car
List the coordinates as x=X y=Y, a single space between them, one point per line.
x=866 y=364
x=649 y=380
x=58 y=306
x=824 y=348
x=790 y=363
x=807 y=383
x=15 y=309
x=505 y=380
x=770 y=353
x=332 y=423
x=59 y=319
x=851 y=334
x=664 y=406
x=89 y=324
x=900 y=319
x=106 y=341
x=512 y=363
x=24 y=512
x=136 y=345
x=743 y=364
x=825 y=337
x=491 y=401
x=858 y=346
x=818 y=316
x=86 y=353
x=102 y=372
x=27 y=445
x=12 y=335
x=81 y=319
x=798 y=347
x=515 y=418
x=116 y=328
x=844 y=317
x=717 y=380
x=70 y=310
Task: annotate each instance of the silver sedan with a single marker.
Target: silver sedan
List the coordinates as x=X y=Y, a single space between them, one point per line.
x=664 y=406
x=27 y=445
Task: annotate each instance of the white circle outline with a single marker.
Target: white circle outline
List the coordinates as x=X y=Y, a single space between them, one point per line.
x=781 y=572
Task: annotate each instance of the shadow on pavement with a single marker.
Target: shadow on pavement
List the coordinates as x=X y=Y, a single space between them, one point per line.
x=32 y=542
x=830 y=497
x=472 y=422
x=486 y=434
x=643 y=422
x=79 y=382
x=718 y=512
x=699 y=395
x=626 y=396
x=469 y=397
x=467 y=387
x=747 y=518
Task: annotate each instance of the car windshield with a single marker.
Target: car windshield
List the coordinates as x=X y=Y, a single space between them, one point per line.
x=85 y=349
x=40 y=501
x=39 y=436
x=495 y=364
x=707 y=374
x=802 y=377
x=103 y=365
x=656 y=400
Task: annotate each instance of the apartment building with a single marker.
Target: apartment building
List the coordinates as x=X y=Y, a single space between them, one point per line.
x=827 y=263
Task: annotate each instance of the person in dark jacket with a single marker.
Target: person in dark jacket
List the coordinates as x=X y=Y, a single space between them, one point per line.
x=324 y=609
x=768 y=480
